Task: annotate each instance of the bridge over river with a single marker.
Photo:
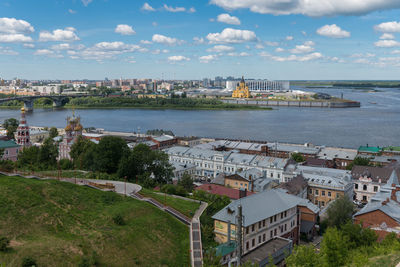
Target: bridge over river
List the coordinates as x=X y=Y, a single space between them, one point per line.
x=58 y=100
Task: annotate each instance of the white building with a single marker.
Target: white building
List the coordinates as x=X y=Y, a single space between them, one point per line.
x=261 y=86
x=48 y=89
x=210 y=163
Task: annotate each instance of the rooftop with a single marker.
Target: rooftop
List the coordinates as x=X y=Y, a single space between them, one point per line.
x=369 y=149
x=222 y=190
x=8 y=144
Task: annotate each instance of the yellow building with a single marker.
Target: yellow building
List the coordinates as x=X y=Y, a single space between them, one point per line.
x=242 y=90
x=236 y=181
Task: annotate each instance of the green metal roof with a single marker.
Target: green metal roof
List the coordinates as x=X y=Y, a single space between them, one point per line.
x=225 y=248
x=391 y=148
x=371 y=149
x=7 y=144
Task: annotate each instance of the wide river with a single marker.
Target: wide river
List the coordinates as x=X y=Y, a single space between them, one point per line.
x=377 y=122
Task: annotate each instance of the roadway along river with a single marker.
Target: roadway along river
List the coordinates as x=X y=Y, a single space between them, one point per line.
x=377 y=122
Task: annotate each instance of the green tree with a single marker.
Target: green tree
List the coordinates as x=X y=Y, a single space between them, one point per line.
x=53 y=132
x=340 y=211
x=11 y=126
x=304 y=256
x=297 y=157
x=110 y=150
x=186 y=182
x=4 y=243
x=358 y=236
x=360 y=162
x=48 y=152
x=28 y=157
x=84 y=154
x=334 y=248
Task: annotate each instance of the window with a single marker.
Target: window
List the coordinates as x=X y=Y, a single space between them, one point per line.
x=270 y=234
x=375 y=189
x=270 y=220
x=337 y=195
x=323 y=193
x=263 y=223
x=310 y=191
x=329 y=193
x=259 y=224
x=279 y=175
x=285 y=213
x=252 y=228
x=316 y=192
x=282 y=215
x=285 y=227
x=275 y=232
x=263 y=237
x=259 y=239
x=274 y=218
x=247 y=245
x=364 y=198
x=355 y=186
x=253 y=242
x=323 y=203
x=365 y=187
x=247 y=230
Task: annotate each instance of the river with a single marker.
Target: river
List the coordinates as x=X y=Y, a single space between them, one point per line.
x=377 y=122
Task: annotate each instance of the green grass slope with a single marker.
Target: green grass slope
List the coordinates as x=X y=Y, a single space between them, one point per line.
x=61 y=224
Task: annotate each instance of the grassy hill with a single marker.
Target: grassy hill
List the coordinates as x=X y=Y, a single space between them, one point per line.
x=61 y=224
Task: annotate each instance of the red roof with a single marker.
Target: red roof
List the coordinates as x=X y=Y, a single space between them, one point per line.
x=216 y=189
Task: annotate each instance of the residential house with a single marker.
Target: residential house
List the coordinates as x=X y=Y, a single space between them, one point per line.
x=11 y=150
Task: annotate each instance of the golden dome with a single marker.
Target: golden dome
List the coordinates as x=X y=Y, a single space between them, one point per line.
x=22 y=109
x=78 y=127
x=68 y=128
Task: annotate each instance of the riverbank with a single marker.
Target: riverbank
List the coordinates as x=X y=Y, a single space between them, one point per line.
x=294 y=103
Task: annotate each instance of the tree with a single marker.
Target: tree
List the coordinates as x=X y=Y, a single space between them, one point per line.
x=360 y=162
x=187 y=182
x=297 y=157
x=11 y=126
x=358 y=236
x=28 y=157
x=110 y=150
x=334 y=248
x=340 y=211
x=53 y=132
x=304 y=256
x=4 y=242
x=48 y=152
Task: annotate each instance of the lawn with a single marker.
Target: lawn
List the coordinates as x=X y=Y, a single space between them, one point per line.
x=184 y=206
x=62 y=224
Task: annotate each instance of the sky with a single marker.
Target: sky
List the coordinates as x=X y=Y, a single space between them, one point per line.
x=194 y=39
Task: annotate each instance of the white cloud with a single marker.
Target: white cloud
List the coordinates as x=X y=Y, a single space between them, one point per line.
x=105 y=50
x=155 y=24
x=301 y=49
x=192 y=10
x=311 y=43
x=392 y=26
x=308 y=57
x=314 y=8
x=232 y=36
x=71 y=11
x=241 y=54
x=289 y=38
x=29 y=45
x=147 y=7
x=14 y=26
x=161 y=39
x=174 y=9
x=48 y=53
x=86 y=2
x=360 y=55
x=208 y=58
x=228 y=19
x=395 y=52
x=145 y=42
x=15 y=38
x=220 y=48
x=174 y=59
x=387 y=36
x=279 y=50
x=124 y=29
x=8 y=51
x=66 y=35
x=271 y=43
x=67 y=46
x=259 y=46
x=264 y=54
x=304 y=33
x=333 y=31
x=198 y=40
x=387 y=43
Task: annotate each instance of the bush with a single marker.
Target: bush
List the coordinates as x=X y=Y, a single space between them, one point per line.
x=119 y=220
x=28 y=262
x=66 y=164
x=7 y=165
x=4 y=242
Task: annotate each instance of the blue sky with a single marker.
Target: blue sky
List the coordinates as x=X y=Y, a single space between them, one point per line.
x=193 y=39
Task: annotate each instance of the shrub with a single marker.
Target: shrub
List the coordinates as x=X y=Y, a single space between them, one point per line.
x=4 y=242
x=119 y=220
x=28 y=262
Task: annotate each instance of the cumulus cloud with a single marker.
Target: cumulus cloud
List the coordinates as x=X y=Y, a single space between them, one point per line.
x=124 y=29
x=301 y=49
x=259 y=46
x=220 y=48
x=308 y=57
x=67 y=46
x=14 y=26
x=198 y=40
x=15 y=38
x=333 y=31
x=289 y=38
x=208 y=58
x=387 y=36
x=162 y=39
x=66 y=35
x=232 y=36
x=279 y=50
x=314 y=8
x=271 y=43
x=29 y=45
x=147 y=7
x=174 y=59
x=228 y=19
x=105 y=50
x=392 y=26
x=387 y=43
x=192 y=10
x=71 y=11
x=145 y=42
x=48 y=53
x=8 y=51
x=86 y=2
x=241 y=54
x=174 y=9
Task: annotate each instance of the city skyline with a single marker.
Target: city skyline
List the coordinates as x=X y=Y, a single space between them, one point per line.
x=196 y=39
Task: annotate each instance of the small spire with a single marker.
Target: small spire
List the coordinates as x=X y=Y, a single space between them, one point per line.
x=242 y=79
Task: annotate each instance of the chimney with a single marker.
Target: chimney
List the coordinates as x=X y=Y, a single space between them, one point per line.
x=386 y=201
x=242 y=193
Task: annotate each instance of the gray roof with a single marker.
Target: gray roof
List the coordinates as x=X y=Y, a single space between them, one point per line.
x=391 y=208
x=259 y=206
x=182 y=166
x=163 y=138
x=331 y=153
x=304 y=149
x=325 y=176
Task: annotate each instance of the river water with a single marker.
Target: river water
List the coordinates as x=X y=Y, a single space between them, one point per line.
x=377 y=122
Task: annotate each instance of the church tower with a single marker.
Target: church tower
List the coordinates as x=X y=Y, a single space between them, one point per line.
x=242 y=90
x=23 y=137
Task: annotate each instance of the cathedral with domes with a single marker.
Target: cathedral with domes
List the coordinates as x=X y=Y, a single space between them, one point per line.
x=242 y=90
x=72 y=131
